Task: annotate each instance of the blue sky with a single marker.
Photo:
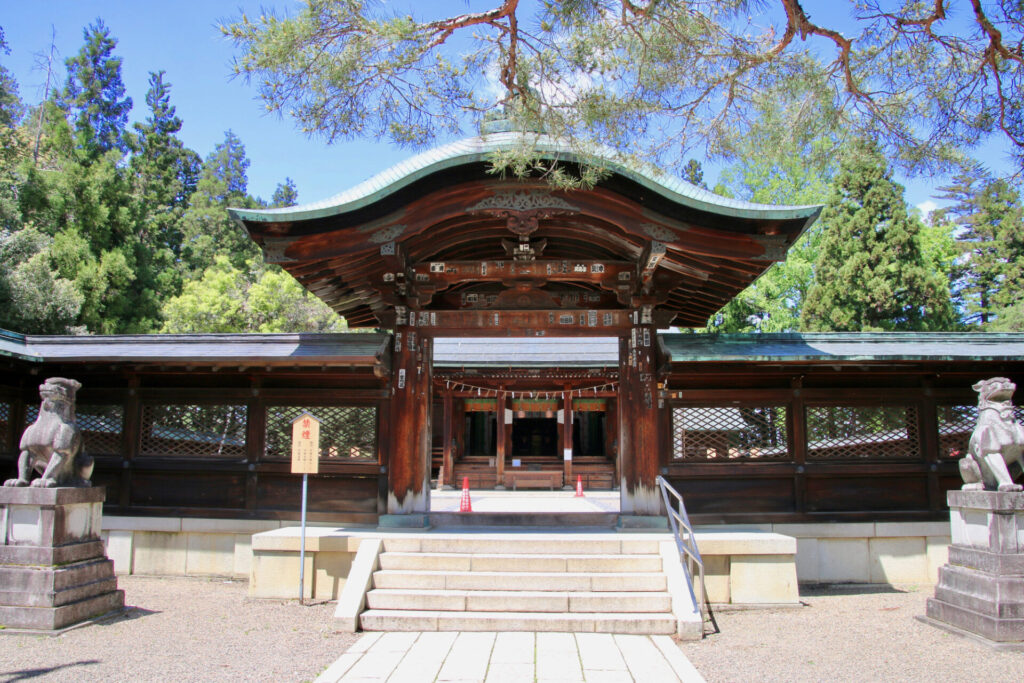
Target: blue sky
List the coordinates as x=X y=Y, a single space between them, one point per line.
x=182 y=39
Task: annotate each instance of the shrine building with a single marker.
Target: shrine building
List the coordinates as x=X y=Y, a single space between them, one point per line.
x=520 y=336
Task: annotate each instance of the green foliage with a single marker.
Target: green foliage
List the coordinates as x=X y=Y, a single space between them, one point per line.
x=654 y=80
x=989 y=220
x=207 y=229
x=285 y=194
x=93 y=94
x=100 y=232
x=693 y=173
x=34 y=299
x=777 y=167
x=256 y=299
x=871 y=274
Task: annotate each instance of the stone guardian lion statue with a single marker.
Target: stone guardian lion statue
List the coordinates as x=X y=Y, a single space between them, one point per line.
x=997 y=440
x=52 y=444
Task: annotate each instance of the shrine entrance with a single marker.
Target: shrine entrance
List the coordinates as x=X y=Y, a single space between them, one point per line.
x=522 y=429
x=534 y=437
x=439 y=248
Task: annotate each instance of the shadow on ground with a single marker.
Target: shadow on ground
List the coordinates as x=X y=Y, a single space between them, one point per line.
x=29 y=674
x=819 y=589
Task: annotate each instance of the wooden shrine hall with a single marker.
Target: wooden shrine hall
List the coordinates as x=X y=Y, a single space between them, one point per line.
x=515 y=335
x=440 y=248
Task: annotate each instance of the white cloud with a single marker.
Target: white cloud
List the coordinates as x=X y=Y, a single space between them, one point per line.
x=926 y=207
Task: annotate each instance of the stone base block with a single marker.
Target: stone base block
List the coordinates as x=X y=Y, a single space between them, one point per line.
x=641 y=522
x=412 y=521
x=990 y=627
x=981 y=590
x=53 y=571
x=54 y=618
x=949 y=628
x=55 y=586
x=49 y=555
x=992 y=563
x=1001 y=597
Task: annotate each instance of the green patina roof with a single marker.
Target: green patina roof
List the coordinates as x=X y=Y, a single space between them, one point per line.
x=840 y=346
x=479 y=149
x=194 y=349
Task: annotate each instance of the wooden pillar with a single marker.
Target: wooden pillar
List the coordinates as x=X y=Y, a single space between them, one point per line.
x=446 y=431
x=567 y=436
x=459 y=433
x=409 y=461
x=611 y=439
x=131 y=438
x=639 y=439
x=504 y=431
x=797 y=436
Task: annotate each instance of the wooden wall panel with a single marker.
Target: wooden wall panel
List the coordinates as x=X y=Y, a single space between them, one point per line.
x=887 y=493
x=110 y=477
x=326 y=493
x=736 y=495
x=194 y=489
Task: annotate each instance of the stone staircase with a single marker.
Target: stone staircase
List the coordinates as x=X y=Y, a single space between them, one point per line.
x=525 y=582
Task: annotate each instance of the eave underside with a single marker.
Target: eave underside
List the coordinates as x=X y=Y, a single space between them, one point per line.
x=470 y=246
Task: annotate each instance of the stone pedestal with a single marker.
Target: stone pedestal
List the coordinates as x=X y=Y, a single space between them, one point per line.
x=981 y=590
x=53 y=570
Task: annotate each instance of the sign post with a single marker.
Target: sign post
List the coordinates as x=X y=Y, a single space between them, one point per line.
x=305 y=461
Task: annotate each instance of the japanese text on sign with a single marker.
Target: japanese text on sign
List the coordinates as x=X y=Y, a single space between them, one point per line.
x=305 y=445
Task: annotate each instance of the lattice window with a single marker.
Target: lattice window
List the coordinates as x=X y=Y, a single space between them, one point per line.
x=956 y=422
x=100 y=424
x=723 y=433
x=862 y=432
x=347 y=433
x=5 y=425
x=101 y=427
x=194 y=431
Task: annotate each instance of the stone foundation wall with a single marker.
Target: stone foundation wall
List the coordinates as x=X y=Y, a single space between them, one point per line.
x=864 y=552
x=184 y=546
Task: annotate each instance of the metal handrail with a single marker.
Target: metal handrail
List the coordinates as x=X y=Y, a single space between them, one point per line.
x=682 y=531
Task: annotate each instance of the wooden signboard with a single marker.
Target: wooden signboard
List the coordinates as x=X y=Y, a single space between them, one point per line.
x=305 y=444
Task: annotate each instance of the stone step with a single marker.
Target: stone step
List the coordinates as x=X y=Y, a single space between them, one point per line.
x=523 y=544
x=465 y=562
x=518 y=601
x=437 y=620
x=520 y=520
x=526 y=581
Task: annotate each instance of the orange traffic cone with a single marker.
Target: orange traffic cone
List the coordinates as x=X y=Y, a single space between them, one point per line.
x=579 y=486
x=465 y=505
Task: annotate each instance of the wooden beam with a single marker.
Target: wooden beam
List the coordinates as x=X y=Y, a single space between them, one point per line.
x=652 y=255
x=505 y=323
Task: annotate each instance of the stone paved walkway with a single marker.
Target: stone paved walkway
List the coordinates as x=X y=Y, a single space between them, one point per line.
x=512 y=658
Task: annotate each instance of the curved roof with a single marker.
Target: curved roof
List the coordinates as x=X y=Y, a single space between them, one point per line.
x=638 y=238
x=479 y=149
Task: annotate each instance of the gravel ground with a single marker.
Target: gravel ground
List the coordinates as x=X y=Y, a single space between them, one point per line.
x=189 y=629
x=847 y=633
x=184 y=629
